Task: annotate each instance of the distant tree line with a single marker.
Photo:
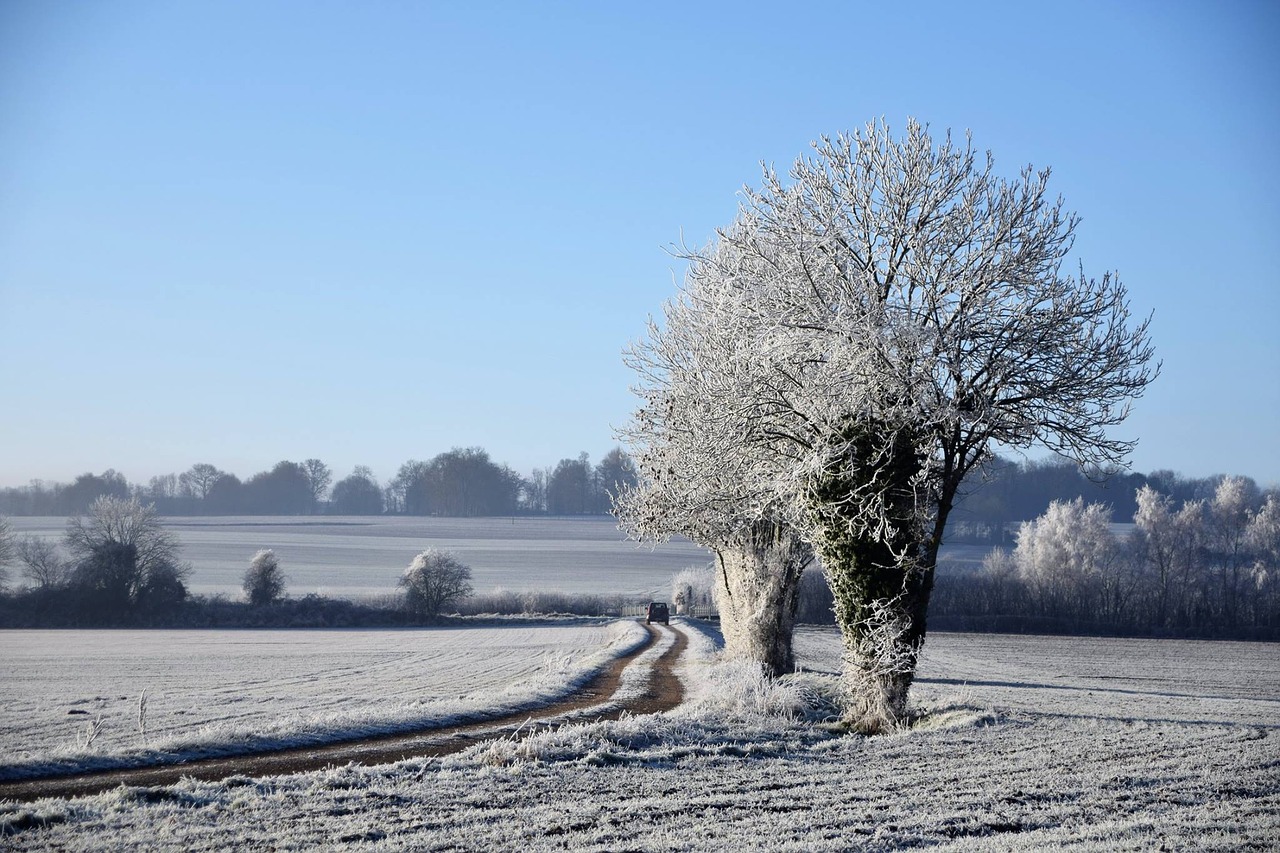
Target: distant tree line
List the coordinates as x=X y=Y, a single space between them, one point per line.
x=1194 y=564
x=995 y=501
x=1190 y=566
x=467 y=482
x=459 y=483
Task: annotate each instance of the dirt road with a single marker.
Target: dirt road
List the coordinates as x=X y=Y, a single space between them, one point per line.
x=663 y=692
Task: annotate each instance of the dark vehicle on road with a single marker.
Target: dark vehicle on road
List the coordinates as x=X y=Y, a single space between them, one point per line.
x=657 y=613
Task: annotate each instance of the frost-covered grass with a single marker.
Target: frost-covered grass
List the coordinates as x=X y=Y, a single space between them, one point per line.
x=1186 y=681
x=218 y=692
x=1033 y=743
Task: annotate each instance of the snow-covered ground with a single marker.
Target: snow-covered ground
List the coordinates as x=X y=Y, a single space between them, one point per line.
x=1186 y=681
x=214 y=691
x=1033 y=743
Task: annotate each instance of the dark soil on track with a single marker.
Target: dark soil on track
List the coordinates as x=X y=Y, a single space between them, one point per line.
x=663 y=692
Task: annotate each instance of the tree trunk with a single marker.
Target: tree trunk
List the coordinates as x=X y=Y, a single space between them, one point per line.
x=881 y=605
x=881 y=585
x=757 y=591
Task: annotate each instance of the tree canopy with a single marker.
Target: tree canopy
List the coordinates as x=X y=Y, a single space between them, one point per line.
x=859 y=339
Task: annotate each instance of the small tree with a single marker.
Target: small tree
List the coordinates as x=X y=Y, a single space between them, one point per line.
x=435 y=580
x=42 y=564
x=1067 y=557
x=263 y=580
x=693 y=587
x=125 y=559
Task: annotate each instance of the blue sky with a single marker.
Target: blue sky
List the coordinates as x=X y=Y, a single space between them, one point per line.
x=240 y=232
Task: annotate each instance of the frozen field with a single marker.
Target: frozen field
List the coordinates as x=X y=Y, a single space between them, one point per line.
x=1034 y=743
x=351 y=556
x=1192 y=681
x=206 y=689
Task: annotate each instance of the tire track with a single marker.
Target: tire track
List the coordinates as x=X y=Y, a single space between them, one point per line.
x=663 y=692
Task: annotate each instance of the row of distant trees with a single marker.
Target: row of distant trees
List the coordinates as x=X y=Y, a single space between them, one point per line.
x=1008 y=492
x=460 y=482
x=1193 y=565
x=467 y=482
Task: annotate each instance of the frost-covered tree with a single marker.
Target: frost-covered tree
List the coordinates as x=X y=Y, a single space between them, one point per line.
x=435 y=580
x=999 y=571
x=694 y=482
x=1229 y=516
x=125 y=560
x=1264 y=541
x=125 y=522
x=1069 y=558
x=1264 y=533
x=1168 y=543
x=882 y=318
x=264 y=579
x=693 y=587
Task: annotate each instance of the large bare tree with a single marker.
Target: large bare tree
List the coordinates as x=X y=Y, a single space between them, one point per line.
x=868 y=329
x=319 y=476
x=199 y=479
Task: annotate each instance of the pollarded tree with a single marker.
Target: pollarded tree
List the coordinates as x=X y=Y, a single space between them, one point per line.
x=905 y=310
x=264 y=579
x=694 y=482
x=435 y=580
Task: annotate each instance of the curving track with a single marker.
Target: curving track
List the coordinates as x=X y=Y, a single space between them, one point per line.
x=663 y=692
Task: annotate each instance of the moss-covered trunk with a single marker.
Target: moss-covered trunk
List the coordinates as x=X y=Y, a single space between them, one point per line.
x=881 y=581
x=757 y=590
